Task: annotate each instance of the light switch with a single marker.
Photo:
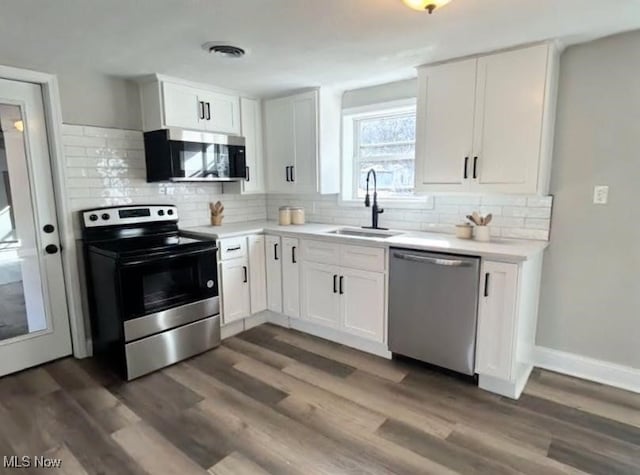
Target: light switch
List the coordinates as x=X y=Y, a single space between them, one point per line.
x=600 y=195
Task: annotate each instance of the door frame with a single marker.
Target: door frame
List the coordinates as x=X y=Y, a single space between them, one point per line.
x=53 y=117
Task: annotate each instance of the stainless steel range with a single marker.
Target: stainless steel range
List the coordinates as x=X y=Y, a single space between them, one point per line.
x=153 y=293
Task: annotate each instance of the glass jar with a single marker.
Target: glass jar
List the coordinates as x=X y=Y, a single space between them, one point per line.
x=297 y=215
x=284 y=216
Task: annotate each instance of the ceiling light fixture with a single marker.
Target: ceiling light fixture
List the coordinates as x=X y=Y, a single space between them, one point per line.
x=422 y=5
x=223 y=49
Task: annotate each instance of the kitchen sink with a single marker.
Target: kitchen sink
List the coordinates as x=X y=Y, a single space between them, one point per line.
x=366 y=233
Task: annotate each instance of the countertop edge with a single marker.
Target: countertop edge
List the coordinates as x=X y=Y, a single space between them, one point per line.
x=320 y=232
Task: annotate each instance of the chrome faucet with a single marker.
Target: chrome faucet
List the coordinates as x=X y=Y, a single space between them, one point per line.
x=375 y=211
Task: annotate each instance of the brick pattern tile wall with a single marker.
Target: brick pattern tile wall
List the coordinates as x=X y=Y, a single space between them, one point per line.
x=106 y=167
x=515 y=216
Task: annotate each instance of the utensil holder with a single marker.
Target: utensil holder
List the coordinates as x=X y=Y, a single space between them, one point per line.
x=216 y=220
x=482 y=233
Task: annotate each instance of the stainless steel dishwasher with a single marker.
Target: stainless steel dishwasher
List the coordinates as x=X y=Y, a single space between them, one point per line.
x=433 y=307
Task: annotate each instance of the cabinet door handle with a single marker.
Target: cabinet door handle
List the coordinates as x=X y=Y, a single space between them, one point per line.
x=466 y=167
x=293 y=255
x=286 y=173
x=248 y=175
x=475 y=167
x=236 y=248
x=335 y=284
x=275 y=251
x=486 y=284
x=246 y=276
x=293 y=177
x=201 y=109
x=208 y=111
x=341 y=284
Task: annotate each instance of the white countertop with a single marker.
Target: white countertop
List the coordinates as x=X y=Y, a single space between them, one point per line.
x=513 y=250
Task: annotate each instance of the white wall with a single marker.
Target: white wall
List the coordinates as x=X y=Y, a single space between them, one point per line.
x=95 y=99
x=590 y=302
x=383 y=93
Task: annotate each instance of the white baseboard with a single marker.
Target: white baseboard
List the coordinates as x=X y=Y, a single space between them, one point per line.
x=619 y=376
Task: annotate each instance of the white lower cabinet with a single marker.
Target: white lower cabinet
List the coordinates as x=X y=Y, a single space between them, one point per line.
x=273 y=250
x=362 y=294
x=344 y=298
x=235 y=289
x=257 y=273
x=290 y=277
x=497 y=320
x=320 y=295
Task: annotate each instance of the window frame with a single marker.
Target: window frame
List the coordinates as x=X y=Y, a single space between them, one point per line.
x=351 y=156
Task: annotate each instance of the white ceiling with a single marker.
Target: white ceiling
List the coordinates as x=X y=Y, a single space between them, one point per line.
x=292 y=43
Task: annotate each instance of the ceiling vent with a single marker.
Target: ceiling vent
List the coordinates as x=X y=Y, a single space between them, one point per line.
x=225 y=50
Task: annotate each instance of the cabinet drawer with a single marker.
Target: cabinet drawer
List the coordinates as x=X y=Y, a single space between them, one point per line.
x=360 y=257
x=320 y=251
x=232 y=248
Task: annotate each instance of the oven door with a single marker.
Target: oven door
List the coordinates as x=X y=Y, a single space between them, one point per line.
x=156 y=283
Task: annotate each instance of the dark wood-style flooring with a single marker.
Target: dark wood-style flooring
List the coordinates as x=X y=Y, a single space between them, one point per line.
x=277 y=401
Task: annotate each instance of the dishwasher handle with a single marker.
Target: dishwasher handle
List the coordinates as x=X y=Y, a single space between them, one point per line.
x=438 y=261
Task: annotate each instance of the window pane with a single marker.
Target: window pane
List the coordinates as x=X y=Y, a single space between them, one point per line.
x=386 y=144
x=386 y=130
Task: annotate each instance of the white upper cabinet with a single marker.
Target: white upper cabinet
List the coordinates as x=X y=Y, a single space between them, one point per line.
x=175 y=104
x=445 y=125
x=251 y=120
x=486 y=124
x=302 y=142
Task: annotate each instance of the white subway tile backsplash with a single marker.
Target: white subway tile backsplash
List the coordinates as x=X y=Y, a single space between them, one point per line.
x=504 y=200
x=540 y=201
x=511 y=213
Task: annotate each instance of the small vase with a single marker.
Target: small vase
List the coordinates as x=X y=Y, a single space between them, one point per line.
x=482 y=234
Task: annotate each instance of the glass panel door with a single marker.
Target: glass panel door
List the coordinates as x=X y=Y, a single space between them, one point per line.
x=34 y=324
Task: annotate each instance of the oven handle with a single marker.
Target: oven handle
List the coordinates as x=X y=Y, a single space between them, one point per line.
x=166 y=256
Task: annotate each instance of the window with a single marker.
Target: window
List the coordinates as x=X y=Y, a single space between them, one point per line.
x=382 y=139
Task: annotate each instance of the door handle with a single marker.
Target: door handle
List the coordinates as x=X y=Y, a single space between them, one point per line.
x=201 y=109
x=275 y=251
x=237 y=248
x=432 y=260
x=208 y=111
x=475 y=167
x=247 y=173
x=335 y=284
x=51 y=249
x=466 y=167
x=293 y=177
x=286 y=173
x=341 y=284
x=293 y=255
x=246 y=276
x=486 y=284
x=49 y=228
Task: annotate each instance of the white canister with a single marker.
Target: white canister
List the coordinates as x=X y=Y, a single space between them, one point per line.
x=482 y=233
x=464 y=231
x=284 y=216
x=297 y=215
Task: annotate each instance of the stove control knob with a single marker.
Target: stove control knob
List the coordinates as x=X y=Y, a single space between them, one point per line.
x=210 y=284
x=161 y=212
x=106 y=216
x=93 y=217
x=170 y=212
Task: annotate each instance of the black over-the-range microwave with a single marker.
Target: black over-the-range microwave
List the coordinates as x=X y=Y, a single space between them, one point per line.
x=188 y=155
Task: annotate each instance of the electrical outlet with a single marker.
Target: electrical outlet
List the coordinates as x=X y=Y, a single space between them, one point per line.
x=600 y=195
